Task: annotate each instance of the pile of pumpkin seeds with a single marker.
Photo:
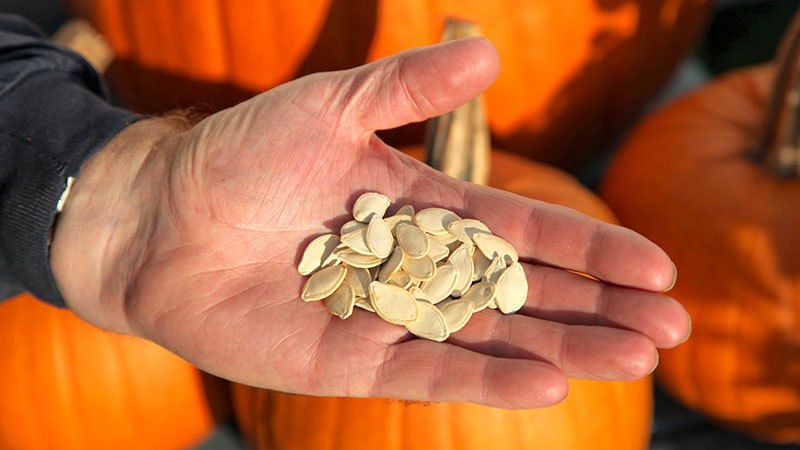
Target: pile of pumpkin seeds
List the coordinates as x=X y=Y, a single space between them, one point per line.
x=428 y=270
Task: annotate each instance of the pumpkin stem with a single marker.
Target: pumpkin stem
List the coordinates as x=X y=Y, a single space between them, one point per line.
x=781 y=142
x=458 y=143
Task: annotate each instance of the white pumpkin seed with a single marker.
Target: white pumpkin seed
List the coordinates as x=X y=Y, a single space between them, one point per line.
x=351 y=226
x=359 y=278
x=350 y=257
x=379 y=237
x=364 y=303
x=435 y=220
x=356 y=240
x=369 y=204
x=420 y=269
x=481 y=295
x=318 y=253
x=341 y=302
x=461 y=259
x=436 y=250
x=512 y=289
x=479 y=265
x=412 y=240
x=323 y=283
x=405 y=210
x=495 y=269
x=457 y=313
x=465 y=229
x=401 y=279
x=493 y=246
x=430 y=324
x=441 y=285
x=391 y=265
x=393 y=304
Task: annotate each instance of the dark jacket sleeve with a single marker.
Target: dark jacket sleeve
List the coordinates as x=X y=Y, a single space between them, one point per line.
x=53 y=116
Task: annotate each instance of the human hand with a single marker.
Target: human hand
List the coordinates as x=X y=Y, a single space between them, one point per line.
x=191 y=238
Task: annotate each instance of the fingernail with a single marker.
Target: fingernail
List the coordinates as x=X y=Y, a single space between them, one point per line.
x=674 y=278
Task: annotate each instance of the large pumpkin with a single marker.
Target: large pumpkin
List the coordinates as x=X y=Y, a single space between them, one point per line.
x=713 y=179
x=67 y=385
x=573 y=75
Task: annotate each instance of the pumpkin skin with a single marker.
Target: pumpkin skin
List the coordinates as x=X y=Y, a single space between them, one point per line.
x=573 y=74
x=590 y=417
x=65 y=384
x=688 y=180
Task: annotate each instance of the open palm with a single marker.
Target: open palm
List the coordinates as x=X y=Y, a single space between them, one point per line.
x=247 y=188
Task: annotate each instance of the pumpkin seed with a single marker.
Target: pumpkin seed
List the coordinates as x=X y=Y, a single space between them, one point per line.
x=512 y=289
x=359 y=278
x=435 y=220
x=465 y=229
x=405 y=210
x=391 y=265
x=430 y=324
x=341 y=302
x=351 y=257
x=318 y=253
x=393 y=304
x=441 y=285
x=496 y=267
x=356 y=240
x=493 y=246
x=457 y=313
x=323 y=283
x=420 y=269
x=369 y=204
x=379 y=237
x=481 y=295
x=461 y=259
x=412 y=240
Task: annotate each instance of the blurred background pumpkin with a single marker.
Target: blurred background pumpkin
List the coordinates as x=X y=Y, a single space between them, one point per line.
x=574 y=73
x=67 y=385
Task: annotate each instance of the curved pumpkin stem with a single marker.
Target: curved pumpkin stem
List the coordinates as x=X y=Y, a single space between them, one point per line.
x=781 y=145
x=458 y=143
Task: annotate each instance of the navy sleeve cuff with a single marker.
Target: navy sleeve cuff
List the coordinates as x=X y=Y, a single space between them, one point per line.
x=53 y=117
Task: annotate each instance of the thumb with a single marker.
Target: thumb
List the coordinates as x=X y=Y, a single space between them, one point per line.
x=420 y=83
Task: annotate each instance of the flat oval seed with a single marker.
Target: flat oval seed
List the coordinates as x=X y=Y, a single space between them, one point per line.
x=379 y=237
x=435 y=220
x=359 y=278
x=413 y=240
x=431 y=323
x=351 y=226
x=457 y=313
x=421 y=269
x=341 y=302
x=493 y=246
x=441 y=285
x=465 y=229
x=364 y=303
x=393 y=304
x=481 y=295
x=418 y=293
x=391 y=265
x=436 y=250
x=356 y=240
x=405 y=210
x=512 y=289
x=401 y=279
x=355 y=259
x=479 y=265
x=323 y=283
x=369 y=204
x=317 y=253
x=494 y=270
x=461 y=259
x=393 y=221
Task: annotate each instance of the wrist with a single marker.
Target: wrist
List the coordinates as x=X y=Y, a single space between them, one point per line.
x=100 y=237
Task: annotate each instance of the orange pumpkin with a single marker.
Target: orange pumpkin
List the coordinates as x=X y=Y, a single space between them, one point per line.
x=713 y=179
x=574 y=73
x=65 y=384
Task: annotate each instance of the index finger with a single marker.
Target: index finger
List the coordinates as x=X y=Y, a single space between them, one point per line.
x=562 y=237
